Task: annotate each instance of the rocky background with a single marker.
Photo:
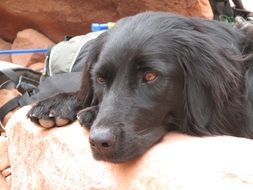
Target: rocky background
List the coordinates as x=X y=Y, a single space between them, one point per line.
x=40 y=23
x=61 y=159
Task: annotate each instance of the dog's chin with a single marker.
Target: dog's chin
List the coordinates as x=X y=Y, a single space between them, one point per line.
x=114 y=158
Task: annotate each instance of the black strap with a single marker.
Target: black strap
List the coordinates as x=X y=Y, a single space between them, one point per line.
x=18 y=101
x=22 y=79
x=9 y=84
x=7 y=107
x=11 y=75
x=13 y=103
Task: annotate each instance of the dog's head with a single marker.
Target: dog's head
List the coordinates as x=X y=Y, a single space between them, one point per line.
x=156 y=72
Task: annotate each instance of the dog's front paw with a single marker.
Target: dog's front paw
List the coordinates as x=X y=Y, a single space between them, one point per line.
x=56 y=111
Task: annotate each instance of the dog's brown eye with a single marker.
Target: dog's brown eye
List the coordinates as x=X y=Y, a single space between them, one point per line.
x=149 y=76
x=101 y=80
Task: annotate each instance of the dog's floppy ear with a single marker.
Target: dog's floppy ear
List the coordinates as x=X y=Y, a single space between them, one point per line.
x=212 y=88
x=86 y=91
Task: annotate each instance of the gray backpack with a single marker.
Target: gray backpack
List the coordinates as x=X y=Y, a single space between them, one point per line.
x=62 y=73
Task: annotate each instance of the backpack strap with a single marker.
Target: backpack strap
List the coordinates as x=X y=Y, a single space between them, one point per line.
x=9 y=73
x=7 y=107
x=22 y=79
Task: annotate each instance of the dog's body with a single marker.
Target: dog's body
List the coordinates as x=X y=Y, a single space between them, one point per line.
x=156 y=72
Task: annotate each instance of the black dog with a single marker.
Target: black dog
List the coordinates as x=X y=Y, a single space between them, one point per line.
x=157 y=72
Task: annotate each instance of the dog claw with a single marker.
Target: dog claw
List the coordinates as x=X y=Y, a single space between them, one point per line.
x=32 y=115
x=51 y=115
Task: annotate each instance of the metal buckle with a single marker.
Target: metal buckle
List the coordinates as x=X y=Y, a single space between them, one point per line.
x=26 y=85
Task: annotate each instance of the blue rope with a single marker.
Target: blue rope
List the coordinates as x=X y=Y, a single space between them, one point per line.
x=23 y=51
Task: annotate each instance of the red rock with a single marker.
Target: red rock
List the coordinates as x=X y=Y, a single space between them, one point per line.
x=3 y=184
x=60 y=159
x=5 y=46
x=37 y=66
x=27 y=39
x=56 y=19
x=185 y=7
x=4 y=162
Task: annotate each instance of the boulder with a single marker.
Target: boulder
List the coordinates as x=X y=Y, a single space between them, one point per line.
x=4 y=160
x=60 y=159
x=37 y=66
x=4 y=163
x=56 y=19
x=27 y=39
x=3 y=183
x=4 y=46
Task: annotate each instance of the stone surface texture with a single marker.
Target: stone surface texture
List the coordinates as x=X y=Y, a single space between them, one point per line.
x=39 y=24
x=55 y=19
x=3 y=46
x=4 y=163
x=60 y=159
x=27 y=39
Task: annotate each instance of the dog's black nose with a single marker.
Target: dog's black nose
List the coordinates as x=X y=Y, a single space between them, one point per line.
x=102 y=141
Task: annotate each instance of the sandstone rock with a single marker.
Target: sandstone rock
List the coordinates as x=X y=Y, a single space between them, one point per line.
x=248 y=5
x=56 y=19
x=60 y=159
x=4 y=162
x=5 y=45
x=26 y=39
x=7 y=171
x=37 y=66
x=185 y=7
x=3 y=184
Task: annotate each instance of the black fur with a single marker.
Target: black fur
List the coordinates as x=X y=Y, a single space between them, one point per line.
x=203 y=85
